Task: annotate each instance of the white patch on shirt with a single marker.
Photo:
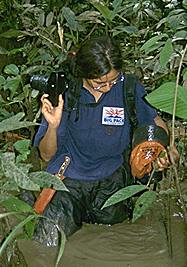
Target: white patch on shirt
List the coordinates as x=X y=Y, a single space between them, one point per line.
x=113 y=116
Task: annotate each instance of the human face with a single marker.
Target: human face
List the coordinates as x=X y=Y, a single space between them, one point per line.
x=105 y=82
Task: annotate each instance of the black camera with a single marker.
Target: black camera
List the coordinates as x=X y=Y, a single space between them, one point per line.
x=53 y=85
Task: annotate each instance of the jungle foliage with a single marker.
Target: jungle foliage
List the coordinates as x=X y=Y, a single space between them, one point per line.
x=38 y=37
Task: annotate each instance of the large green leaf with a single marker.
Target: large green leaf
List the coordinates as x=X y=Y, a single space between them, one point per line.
x=144 y=202
x=11 y=69
x=166 y=53
x=151 y=42
x=14 y=204
x=14 y=123
x=163 y=98
x=45 y=179
x=123 y=194
x=16 y=173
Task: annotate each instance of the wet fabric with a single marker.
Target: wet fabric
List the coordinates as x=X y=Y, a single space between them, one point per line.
x=96 y=149
x=68 y=210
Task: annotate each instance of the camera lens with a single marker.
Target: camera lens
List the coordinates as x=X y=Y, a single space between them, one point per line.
x=39 y=82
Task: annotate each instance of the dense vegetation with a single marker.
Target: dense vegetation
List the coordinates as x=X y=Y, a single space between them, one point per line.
x=37 y=37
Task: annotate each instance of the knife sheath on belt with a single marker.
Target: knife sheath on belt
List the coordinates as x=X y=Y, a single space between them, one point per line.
x=46 y=194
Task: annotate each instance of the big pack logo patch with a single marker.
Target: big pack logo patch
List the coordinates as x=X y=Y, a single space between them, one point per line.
x=113 y=116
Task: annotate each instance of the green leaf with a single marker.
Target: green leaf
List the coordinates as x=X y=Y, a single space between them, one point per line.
x=69 y=15
x=16 y=173
x=11 y=33
x=12 y=84
x=104 y=10
x=175 y=19
x=61 y=247
x=30 y=228
x=162 y=21
x=49 y=18
x=14 y=231
x=10 y=185
x=15 y=51
x=2 y=80
x=180 y=35
x=41 y=18
x=4 y=197
x=14 y=123
x=169 y=191
x=91 y=16
x=123 y=194
x=144 y=202
x=116 y=7
x=6 y=214
x=128 y=29
x=148 y=45
x=22 y=157
x=166 y=53
x=151 y=14
x=163 y=98
x=34 y=69
x=184 y=4
x=14 y=204
x=3 y=51
x=45 y=179
x=11 y=69
x=185 y=198
x=184 y=74
x=23 y=146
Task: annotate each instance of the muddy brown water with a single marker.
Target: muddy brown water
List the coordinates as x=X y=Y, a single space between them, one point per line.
x=141 y=244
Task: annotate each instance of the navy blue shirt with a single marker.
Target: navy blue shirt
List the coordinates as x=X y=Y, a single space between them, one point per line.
x=95 y=142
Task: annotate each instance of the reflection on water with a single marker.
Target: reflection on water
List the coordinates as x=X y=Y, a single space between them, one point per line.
x=142 y=244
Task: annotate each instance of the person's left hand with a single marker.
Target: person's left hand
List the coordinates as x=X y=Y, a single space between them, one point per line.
x=167 y=158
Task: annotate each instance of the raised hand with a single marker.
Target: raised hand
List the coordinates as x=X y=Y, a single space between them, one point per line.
x=52 y=114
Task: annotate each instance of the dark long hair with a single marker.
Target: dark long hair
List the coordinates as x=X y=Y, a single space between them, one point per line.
x=96 y=57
